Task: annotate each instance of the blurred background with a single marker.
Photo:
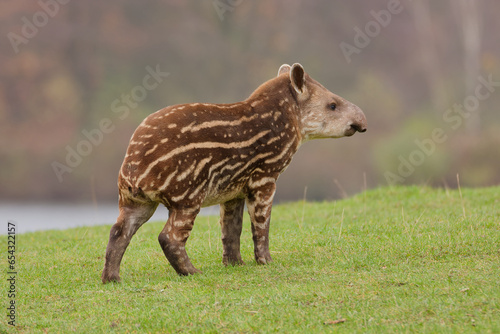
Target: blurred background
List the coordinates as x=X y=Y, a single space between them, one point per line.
x=77 y=77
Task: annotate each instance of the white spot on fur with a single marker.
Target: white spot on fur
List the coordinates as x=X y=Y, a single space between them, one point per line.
x=191 y=127
x=185 y=173
x=151 y=150
x=250 y=162
x=281 y=155
x=262 y=181
x=197 y=190
x=277 y=115
x=272 y=140
x=167 y=180
x=255 y=103
x=200 y=166
x=180 y=197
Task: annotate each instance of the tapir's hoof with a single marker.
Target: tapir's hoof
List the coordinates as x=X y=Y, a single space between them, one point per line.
x=110 y=278
x=264 y=259
x=227 y=261
x=196 y=271
x=191 y=271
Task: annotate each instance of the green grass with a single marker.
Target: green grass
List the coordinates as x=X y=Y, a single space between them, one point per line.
x=390 y=260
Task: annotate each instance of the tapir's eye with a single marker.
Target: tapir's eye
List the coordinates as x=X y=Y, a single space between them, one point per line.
x=333 y=106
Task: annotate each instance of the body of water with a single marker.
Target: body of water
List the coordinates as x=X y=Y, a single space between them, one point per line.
x=49 y=216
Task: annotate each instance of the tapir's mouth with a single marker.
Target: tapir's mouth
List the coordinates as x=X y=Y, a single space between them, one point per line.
x=349 y=132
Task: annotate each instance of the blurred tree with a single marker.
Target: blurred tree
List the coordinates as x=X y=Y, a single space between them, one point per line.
x=469 y=20
x=426 y=30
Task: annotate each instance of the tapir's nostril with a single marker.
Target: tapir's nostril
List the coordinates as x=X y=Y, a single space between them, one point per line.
x=358 y=127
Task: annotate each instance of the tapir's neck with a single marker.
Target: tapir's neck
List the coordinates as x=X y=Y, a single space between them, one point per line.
x=275 y=95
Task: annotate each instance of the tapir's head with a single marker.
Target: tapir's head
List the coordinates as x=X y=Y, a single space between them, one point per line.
x=322 y=114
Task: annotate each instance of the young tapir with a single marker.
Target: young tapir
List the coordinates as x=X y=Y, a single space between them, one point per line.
x=194 y=155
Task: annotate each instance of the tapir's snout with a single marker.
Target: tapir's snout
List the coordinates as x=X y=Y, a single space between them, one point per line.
x=358 y=123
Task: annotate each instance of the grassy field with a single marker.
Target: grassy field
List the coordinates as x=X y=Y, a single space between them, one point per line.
x=390 y=260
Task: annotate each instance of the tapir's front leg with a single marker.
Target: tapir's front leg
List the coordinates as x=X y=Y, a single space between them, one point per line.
x=259 y=203
x=231 y=221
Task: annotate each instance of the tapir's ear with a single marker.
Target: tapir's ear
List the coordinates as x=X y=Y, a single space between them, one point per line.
x=297 y=77
x=285 y=68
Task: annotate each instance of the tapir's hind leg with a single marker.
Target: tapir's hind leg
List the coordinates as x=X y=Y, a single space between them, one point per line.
x=173 y=239
x=132 y=216
x=231 y=221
